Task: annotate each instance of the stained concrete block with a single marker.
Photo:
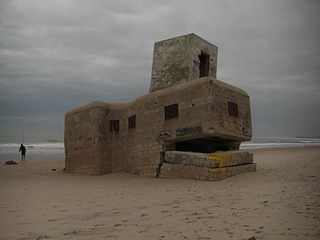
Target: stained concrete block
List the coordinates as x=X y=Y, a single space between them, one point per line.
x=230 y=158
x=214 y=160
x=189 y=159
x=203 y=173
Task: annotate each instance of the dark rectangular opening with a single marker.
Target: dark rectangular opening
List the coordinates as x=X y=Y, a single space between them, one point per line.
x=132 y=121
x=114 y=125
x=171 y=111
x=233 y=109
x=206 y=145
x=204 y=65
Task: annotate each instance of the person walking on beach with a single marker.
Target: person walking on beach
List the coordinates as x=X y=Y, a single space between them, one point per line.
x=23 y=151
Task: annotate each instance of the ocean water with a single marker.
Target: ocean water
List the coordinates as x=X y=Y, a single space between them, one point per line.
x=268 y=142
x=52 y=149
x=35 y=151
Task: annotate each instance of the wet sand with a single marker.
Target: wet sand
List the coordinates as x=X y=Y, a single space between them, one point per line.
x=279 y=201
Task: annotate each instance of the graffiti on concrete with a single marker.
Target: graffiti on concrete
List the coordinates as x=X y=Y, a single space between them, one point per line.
x=163 y=136
x=188 y=131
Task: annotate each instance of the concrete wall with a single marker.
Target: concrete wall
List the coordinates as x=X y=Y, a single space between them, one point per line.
x=176 y=61
x=86 y=139
x=91 y=147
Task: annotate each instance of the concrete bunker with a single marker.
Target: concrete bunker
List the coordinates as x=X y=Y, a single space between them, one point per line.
x=190 y=125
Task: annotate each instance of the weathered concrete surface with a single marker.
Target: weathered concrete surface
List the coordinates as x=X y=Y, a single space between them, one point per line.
x=214 y=160
x=176 y=61
x=231 y=158
x=189 y=159
x=203 y=173
x=91 y=147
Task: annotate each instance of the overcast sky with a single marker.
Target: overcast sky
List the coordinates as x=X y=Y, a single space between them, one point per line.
x=58 y=54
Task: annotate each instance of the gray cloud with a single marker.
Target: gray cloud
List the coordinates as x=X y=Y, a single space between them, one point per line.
x=55 y=55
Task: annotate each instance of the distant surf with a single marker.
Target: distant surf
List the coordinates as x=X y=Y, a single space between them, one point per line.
x=262 y=143
x=53 y=149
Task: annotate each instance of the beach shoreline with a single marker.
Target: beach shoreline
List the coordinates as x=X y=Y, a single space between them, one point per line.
x=279 y=201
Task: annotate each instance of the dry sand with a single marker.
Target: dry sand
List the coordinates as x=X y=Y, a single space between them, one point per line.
x=279 y=201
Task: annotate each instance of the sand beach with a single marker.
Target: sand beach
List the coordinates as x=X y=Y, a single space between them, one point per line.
x=279 y=201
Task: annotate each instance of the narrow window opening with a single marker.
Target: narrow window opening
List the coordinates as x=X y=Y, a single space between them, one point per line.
x=204 y=65
x=132 y=121
x=114 y=125
x=171 y=111
x=233 y=109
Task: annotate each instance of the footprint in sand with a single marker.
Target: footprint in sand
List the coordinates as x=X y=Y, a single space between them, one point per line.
x=112 y=236
x=23 y=223
x=144 y=215
x=52 y=219
x=141 y=207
